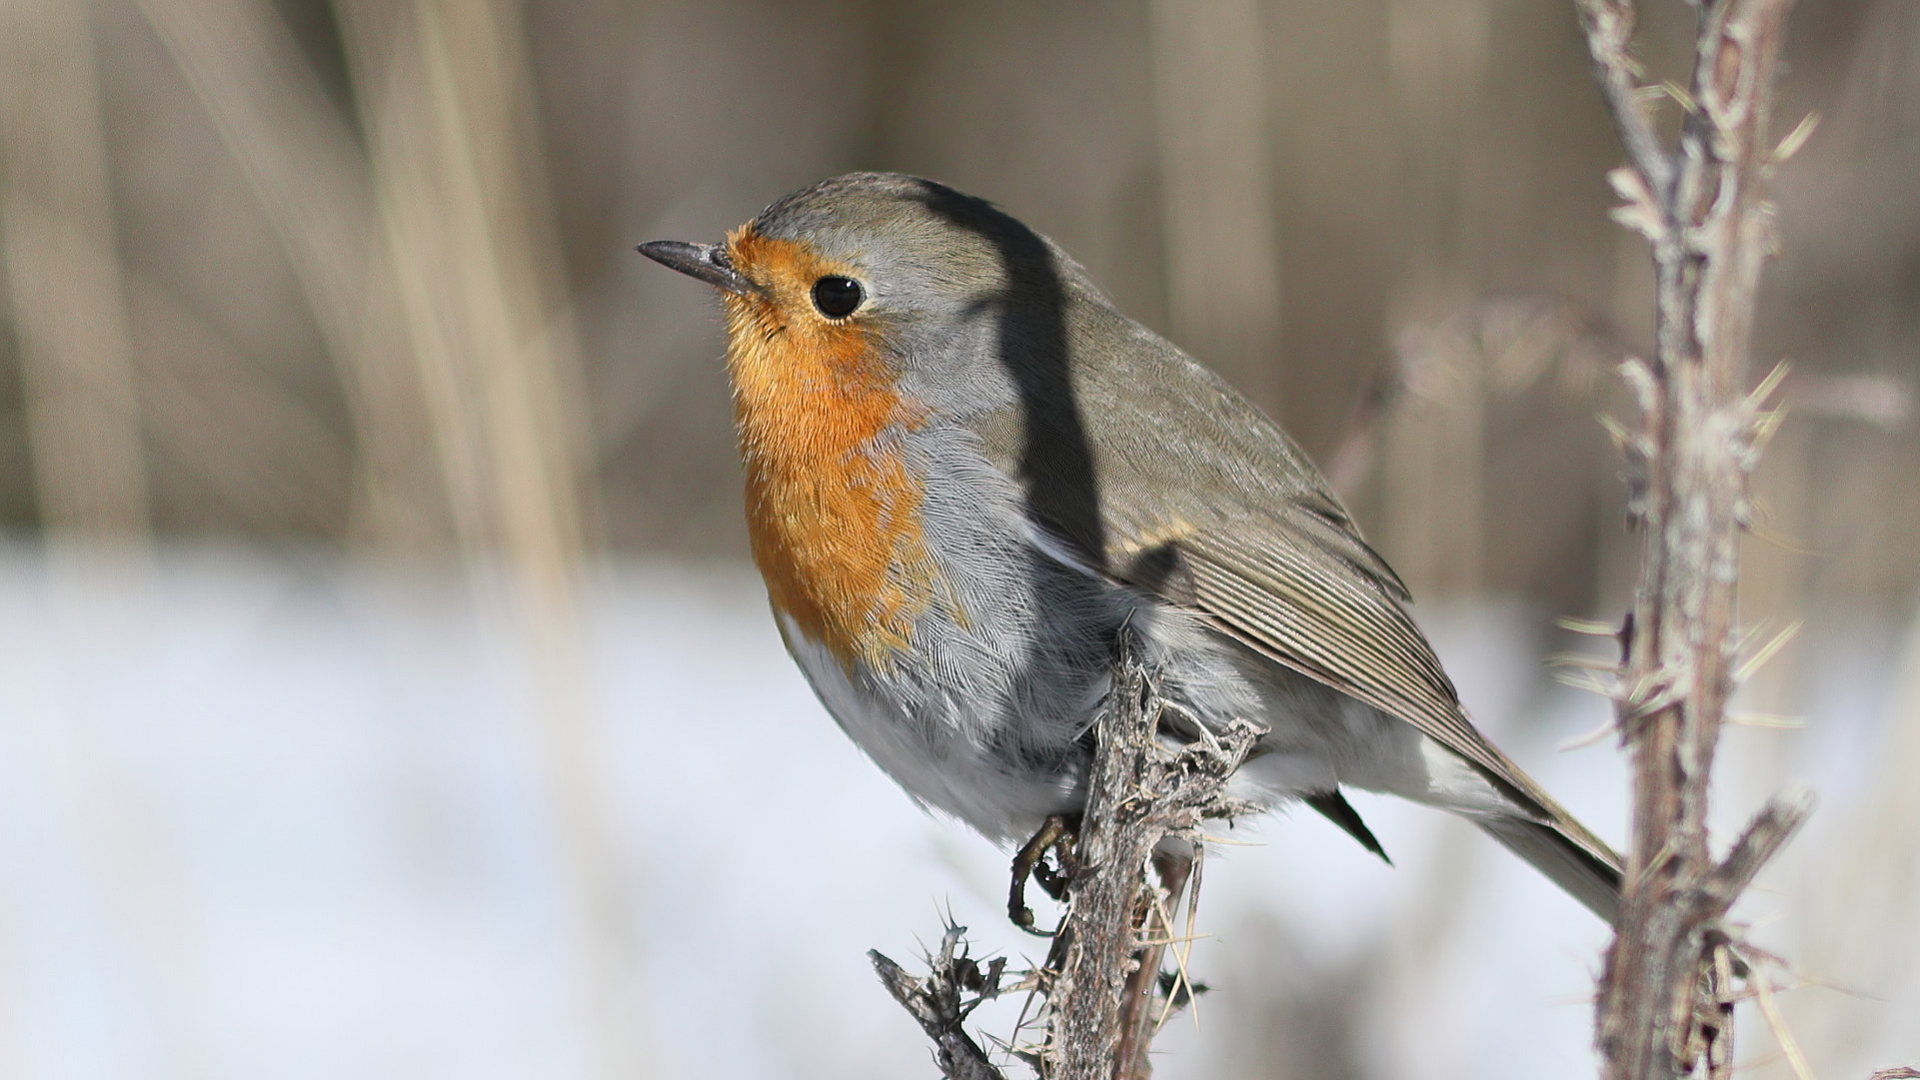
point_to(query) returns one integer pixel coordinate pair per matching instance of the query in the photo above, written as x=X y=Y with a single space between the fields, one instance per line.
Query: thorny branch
x=1157 y=775
x=1609 y=26
x=1666 y=1001
x=1142 y=797
x=941 y=1001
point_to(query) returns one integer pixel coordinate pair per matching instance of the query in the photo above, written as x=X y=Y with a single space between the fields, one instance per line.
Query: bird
x=966 y=470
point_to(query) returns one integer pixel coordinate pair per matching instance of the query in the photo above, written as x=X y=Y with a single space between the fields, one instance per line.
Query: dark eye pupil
x=836 y=296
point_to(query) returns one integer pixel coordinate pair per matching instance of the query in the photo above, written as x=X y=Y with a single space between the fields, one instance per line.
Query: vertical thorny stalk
x=1101 y=987
x=1144 y=803
x=1666 y=996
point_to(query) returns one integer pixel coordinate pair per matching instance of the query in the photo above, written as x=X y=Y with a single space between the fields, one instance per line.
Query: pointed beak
x=708 y=262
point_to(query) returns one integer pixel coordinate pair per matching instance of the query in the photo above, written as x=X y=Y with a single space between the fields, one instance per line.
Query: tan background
x=1309 y=197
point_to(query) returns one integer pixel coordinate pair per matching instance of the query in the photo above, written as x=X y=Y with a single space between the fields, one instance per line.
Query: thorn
x=1754 y=663
x=1765 y=423
x=1780 y=540
x=1622 y=438
x=1654 y=692
x=1590 y=627
x=1796 y=138
x=1768 y=385
x=1777 y=1024
x=1639 y=210
x=1230 y=841
x=1777 y=721
x=1583 y=680
x=1638 y=376
x=1583 y=662
x=1581 y=742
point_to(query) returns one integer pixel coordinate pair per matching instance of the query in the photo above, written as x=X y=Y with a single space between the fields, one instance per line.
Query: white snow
x=272 y=815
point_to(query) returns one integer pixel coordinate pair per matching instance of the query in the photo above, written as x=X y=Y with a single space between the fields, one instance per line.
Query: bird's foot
x=1056 y=836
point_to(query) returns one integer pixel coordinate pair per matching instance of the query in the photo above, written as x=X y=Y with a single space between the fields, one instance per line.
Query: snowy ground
x=267 y=816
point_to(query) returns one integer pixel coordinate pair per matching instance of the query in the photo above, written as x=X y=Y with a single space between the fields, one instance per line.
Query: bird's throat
x=833 y=506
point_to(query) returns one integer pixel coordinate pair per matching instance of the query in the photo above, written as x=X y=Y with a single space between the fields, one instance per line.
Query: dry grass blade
x=311 y=177
x=444 y=92
x=63 y=273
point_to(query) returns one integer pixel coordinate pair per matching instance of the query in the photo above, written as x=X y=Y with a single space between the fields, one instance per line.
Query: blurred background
x=384 y=691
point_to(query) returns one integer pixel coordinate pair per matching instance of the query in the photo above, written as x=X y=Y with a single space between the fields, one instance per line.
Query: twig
x=1140 y=793
x=1609 y=27
x=1146 y=800
x=1666 y=1000
x=940 y=1004
x=1765 y=835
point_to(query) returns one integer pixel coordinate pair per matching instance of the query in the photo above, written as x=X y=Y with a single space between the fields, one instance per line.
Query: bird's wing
x=1204 y=501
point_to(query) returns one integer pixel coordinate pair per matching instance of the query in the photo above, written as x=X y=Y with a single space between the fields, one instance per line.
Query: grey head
x=976 y=312
x=964 y=292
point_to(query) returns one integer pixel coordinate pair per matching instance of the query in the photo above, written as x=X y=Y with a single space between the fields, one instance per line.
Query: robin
x=966 y=470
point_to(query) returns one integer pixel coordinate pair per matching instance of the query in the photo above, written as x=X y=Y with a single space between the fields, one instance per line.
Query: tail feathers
x=1335 y=808
x=1589 y=876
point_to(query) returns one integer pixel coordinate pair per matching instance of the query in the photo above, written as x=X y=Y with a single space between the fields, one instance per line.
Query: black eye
x=836 y=297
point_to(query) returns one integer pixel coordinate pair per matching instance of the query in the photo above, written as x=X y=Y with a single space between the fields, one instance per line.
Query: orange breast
x=833 y=510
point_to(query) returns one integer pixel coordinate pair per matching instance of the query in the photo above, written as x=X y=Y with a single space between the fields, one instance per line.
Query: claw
x=1056 y=835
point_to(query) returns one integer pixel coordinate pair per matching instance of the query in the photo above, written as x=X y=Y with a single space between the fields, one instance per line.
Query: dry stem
x=1145 y=803
x=1665 y=1005
x=941 y=1001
